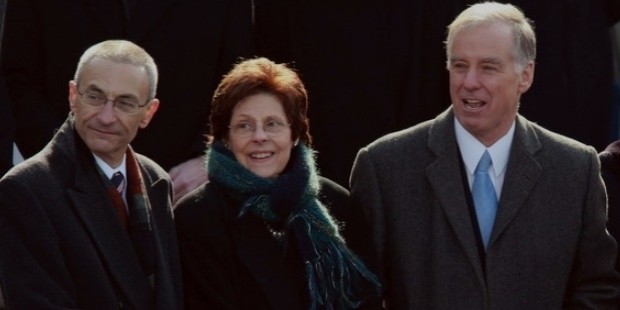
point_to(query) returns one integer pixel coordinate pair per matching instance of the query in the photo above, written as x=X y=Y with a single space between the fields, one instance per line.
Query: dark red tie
x=118 y=181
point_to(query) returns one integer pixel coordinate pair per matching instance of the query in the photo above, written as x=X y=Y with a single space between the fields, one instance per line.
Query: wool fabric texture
x=335 y=277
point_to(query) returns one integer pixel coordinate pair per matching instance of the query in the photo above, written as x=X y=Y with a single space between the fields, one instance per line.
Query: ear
x=151 y=108
x=73 y=96
x=527 y=77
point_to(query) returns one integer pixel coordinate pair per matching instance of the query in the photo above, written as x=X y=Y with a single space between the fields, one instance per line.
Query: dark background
x=376 y=66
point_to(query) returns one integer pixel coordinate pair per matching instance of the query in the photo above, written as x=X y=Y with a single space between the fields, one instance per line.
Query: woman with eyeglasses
x=265 y=232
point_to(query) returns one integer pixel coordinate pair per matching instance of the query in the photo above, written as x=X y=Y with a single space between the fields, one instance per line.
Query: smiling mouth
x=261 y=155
x=473 y=104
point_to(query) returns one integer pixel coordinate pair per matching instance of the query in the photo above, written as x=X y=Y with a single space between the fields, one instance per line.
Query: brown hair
x=261 y=75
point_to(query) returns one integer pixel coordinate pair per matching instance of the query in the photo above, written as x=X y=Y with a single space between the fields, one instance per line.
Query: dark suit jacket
x=62 y=244
x=192 y=42
x=231 y=263
x=548 y=250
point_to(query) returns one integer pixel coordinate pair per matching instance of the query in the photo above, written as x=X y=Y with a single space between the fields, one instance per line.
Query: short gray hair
x=125 y=52
x=492 y=12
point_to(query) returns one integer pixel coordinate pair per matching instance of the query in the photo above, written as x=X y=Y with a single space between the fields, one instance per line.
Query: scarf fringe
x=336 y=277
x=338 y=280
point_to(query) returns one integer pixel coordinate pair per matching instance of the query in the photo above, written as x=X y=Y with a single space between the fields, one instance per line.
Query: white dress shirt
x=472 y=150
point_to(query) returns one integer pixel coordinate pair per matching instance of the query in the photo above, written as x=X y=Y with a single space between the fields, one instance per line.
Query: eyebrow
x=489 y=60
x=492 y=60
x=247 y=117
x=94 y=87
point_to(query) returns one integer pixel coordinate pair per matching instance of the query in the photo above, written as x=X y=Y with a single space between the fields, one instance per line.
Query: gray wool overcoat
x=549 y=247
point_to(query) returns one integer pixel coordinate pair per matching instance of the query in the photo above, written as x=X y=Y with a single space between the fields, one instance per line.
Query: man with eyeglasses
x=87 y=222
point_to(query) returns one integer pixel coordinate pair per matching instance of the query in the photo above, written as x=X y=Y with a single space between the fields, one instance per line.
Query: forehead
x=484 y=41
x=259 y=106
x=114 y=78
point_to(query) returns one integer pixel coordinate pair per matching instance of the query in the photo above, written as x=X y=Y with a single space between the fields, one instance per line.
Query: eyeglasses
x=245 y=129
x=122 y=105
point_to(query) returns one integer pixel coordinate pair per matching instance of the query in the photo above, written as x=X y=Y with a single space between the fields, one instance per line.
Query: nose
x=471 y=79
x=107 y=114
x=259 y=134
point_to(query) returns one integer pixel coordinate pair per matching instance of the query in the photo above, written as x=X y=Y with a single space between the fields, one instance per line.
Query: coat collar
x=522 y=173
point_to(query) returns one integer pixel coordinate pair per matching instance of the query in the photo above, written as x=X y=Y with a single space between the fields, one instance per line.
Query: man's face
x=485 y=86
x=106 y=131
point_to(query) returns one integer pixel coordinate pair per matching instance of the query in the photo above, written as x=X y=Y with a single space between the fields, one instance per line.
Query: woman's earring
x=296 y=142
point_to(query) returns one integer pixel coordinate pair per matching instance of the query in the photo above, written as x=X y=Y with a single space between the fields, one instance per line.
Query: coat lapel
x=109 y=238
x=522 y=174
x=156 y=190
x=449 y=189
x=94 y=208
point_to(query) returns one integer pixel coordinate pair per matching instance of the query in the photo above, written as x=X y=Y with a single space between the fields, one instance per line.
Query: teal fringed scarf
x=336 y=278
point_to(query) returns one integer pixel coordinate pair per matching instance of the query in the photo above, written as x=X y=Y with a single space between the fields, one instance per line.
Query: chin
x=265 y=173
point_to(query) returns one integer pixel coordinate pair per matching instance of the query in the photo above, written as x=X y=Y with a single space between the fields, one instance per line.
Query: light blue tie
x=485 y=198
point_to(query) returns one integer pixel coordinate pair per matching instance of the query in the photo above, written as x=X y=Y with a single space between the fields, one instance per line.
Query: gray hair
x=524 y=50
x=125 y=52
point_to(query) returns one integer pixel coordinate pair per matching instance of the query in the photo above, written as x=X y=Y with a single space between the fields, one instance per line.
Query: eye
x=244 y=126
x=489 y=68
x=94 y=96
x=271 y=124
x=126 y=104
x=458 y=66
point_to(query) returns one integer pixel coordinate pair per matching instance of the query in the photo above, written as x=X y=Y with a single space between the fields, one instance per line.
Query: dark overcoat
x=235 y=263
x=62 y=244
x=549 y=248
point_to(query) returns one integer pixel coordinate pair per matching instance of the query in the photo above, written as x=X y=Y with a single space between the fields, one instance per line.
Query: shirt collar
x=109 y=171
x=472 y=149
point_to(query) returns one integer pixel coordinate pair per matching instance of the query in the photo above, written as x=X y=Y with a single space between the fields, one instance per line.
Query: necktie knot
x=484 y=163
x=118 y=180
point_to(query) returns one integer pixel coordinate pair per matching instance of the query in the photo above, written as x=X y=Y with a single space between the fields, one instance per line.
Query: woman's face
x=260 y=135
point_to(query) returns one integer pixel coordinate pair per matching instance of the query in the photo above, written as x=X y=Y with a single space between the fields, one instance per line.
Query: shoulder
x=207 y=203
x=398 y=139
x=331 y=189
x=151 y=166
x=610 y=159
x=560 y=146
x=415 y=140
x=388 y=154
x=560 y=155
x=333 y=195
x=38 y=171
x=155 y=171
